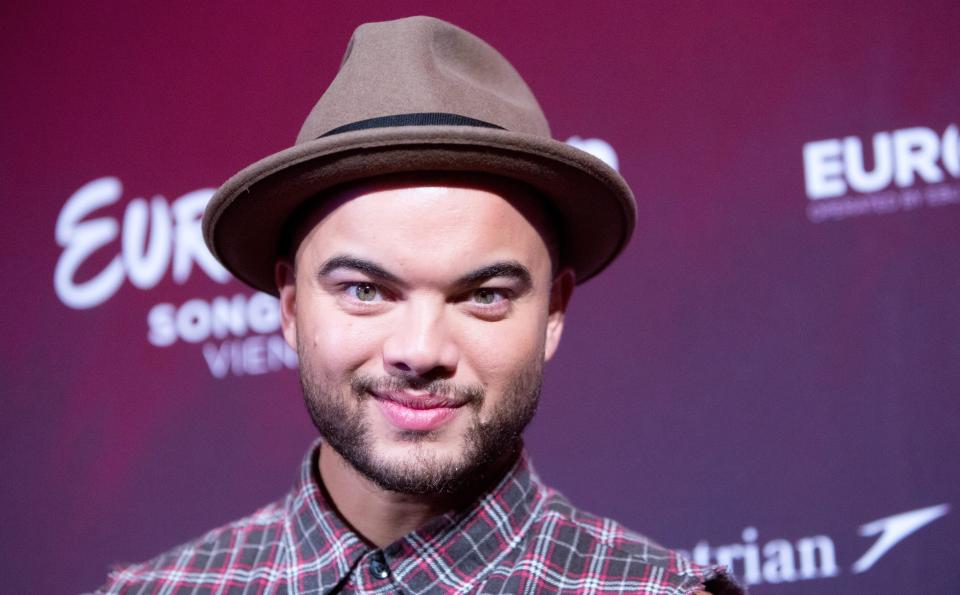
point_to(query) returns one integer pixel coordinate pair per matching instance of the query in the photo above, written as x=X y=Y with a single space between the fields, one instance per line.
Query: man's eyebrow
x=357 y=264
x=511 y=269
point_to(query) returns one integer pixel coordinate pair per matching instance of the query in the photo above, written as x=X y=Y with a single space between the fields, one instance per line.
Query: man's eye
x=487 y=297
x=365 y=292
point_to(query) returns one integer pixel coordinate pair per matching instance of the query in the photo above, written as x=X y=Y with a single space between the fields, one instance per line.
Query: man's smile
x=416 y=411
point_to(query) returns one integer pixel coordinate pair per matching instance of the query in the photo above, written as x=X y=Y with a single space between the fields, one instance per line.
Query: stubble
x=338 y=414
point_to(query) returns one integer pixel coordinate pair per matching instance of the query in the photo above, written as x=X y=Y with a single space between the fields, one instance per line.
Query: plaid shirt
x=521 y=537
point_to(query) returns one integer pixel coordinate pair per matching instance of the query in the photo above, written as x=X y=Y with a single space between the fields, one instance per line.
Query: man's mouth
x=416 y=411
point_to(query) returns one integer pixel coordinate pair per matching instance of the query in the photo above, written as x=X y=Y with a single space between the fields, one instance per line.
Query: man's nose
x=421 y=345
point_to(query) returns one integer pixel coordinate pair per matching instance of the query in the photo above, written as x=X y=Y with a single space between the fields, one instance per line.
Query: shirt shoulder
x=249 y=550
x=575 y=549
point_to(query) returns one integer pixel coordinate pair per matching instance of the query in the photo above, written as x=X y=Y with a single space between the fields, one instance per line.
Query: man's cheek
x=343 y=347
x=501 y=349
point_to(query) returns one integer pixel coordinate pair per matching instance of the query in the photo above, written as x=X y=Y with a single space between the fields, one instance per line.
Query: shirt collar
x=461 y=544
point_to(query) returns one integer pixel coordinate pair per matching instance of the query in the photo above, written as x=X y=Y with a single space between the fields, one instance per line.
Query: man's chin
x=420 y=455
x=417 y=467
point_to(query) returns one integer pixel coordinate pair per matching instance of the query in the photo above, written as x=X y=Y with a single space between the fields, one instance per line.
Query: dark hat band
x=414 y=119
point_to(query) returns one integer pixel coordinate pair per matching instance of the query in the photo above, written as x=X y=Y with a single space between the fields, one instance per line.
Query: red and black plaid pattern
x=521 y=537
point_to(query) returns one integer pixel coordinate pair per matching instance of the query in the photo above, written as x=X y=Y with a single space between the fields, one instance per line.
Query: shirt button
x=378 y=566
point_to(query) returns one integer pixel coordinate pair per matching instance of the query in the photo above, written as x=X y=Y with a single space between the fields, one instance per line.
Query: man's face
x=422 y=312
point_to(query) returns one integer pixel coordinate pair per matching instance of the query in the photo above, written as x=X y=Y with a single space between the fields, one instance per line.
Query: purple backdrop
x=769 y=377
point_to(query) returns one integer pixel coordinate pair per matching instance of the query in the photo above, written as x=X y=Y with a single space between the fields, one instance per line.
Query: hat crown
x=424 y=65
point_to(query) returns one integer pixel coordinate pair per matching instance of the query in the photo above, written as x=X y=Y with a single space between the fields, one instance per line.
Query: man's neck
x=380 y=516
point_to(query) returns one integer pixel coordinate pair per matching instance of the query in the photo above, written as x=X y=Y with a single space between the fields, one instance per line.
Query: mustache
x=462 y=394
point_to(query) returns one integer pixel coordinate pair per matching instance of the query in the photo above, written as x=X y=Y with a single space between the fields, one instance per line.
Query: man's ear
x=285 y=277
x=560 y=293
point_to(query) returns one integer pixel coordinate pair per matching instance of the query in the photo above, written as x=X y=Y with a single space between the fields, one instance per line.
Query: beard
x=338 y=415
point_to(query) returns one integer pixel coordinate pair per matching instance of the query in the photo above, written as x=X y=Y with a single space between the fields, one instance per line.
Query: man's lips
x=414 y=400
x=416 y=412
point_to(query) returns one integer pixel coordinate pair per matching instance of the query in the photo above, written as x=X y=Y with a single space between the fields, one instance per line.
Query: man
x=423 y=236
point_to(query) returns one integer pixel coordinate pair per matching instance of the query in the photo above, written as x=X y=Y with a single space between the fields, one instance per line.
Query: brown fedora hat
x=420 y=95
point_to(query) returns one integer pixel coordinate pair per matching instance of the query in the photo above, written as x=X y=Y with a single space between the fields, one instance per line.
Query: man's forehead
x=388 y=201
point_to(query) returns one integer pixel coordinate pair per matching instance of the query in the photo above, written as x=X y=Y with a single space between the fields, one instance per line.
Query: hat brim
x=246 y=216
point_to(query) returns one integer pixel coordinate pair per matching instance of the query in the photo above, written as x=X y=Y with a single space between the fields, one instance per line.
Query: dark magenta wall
x=763 y=373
